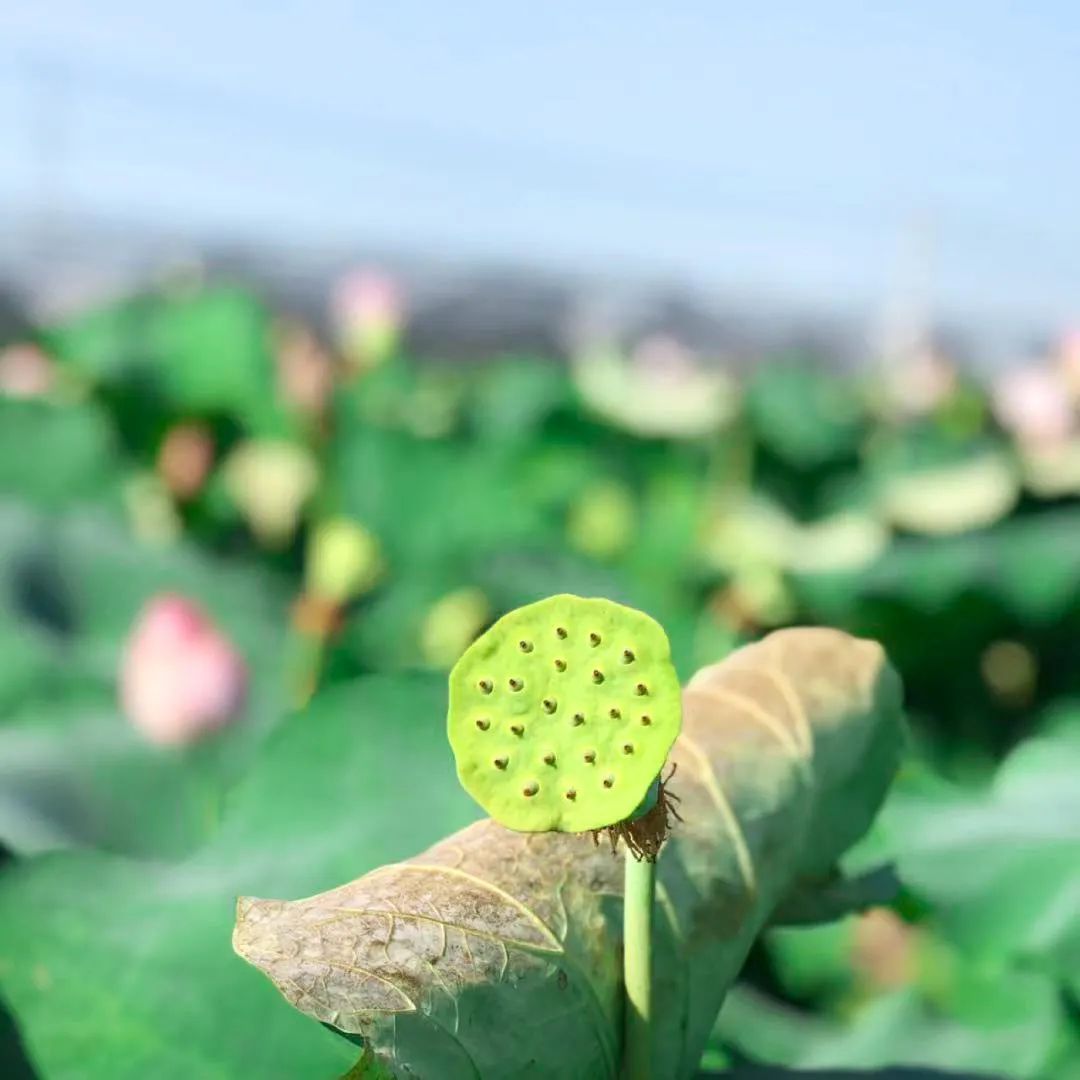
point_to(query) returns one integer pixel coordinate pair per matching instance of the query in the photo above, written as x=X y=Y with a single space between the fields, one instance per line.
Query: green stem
x=640 y=888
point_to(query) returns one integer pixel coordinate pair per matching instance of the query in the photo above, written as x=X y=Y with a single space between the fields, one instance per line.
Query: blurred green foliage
x=809 y=498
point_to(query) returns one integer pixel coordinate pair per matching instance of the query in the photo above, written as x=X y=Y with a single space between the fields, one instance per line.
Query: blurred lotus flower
x=180 y=677
x=602 y=520
x=185 y=458
x=269 y=480
x=663 y=389
x=921 y=384
x=884 y=949
x=451 y=625
x=1032 y=403
x=1068 y=361
x=343 y=561
x=368 y=312
x=305 y=370
x=25 y=372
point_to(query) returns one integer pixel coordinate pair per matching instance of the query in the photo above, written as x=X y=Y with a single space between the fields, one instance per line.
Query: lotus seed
x=549 y=758
x=579 y=719
x=517 y=729
x=560 y=665
x=590 y=756
x=525 y=646
x=530 y=789
x=614 y=714
x=628 y=748
x=627 y=656
x=516 y=685
x=595 y=639
x=486 y=685
x=571 y=794
x=501 y=762
x=483 y=725
x=549 y=705
x=561 y=631
x=597 y=676
x=641 y=689
x=646 y=720
x=608 y=781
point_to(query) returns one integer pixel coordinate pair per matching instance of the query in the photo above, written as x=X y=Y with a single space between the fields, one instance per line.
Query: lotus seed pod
x=562 y=714
x=343 y=561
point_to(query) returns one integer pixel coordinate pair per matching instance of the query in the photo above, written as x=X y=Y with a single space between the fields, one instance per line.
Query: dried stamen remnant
x=644 y=836
x=530 y=789
x=483 y=724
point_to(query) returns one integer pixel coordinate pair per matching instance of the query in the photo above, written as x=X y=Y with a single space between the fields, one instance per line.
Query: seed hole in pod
x=614 y=714
x=590 y=756
x=646 y=720
x=571 y=794
x=549 y=758
x=518 y=729
x=609 y=781
x=627 y=656
x=501 y=762
x=579 y=719
x=483 y=724
x=561 y=631
x=594 y=639
x=597 y=676
x=530 y=789
x=525 y=646
x=516 y=684
x=641 y=689
x=549 y=705
x=627 y=747
x=560 y=665
x=486 y=685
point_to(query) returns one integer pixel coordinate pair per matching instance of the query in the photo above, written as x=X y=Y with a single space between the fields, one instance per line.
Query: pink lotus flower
x=1033 y=404
x=368 y=310
x=180 y=678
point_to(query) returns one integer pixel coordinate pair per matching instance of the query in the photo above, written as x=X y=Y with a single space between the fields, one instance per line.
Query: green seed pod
x=562 y=714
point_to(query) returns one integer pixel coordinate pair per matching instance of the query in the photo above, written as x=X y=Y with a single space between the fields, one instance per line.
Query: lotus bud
x=185 y=459
x=180 y=679
x=270 y=481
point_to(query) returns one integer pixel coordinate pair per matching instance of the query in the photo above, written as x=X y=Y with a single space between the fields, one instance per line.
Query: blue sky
x=778 y=147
